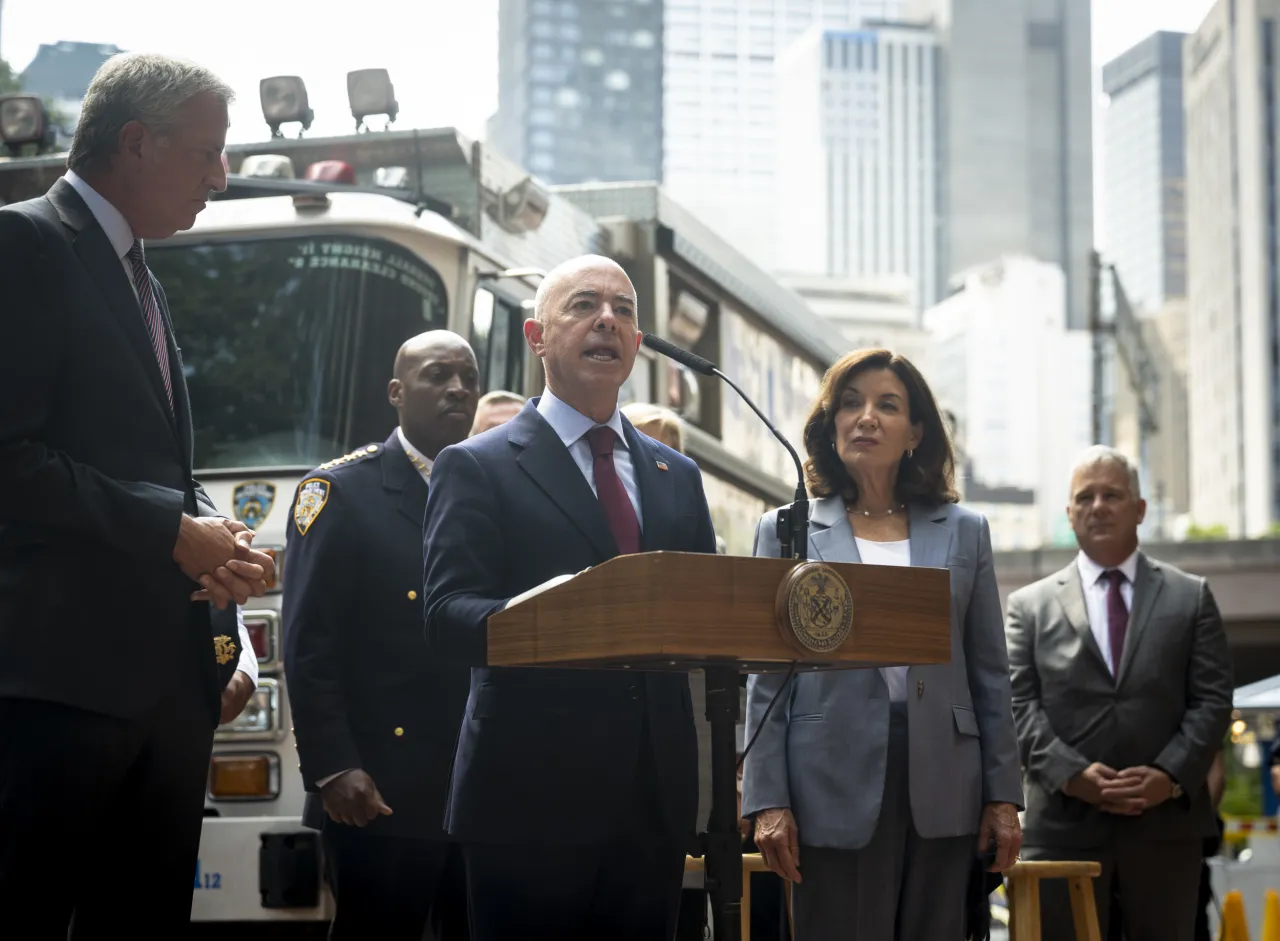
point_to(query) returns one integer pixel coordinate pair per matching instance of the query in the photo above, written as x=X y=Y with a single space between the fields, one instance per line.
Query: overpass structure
x=1243 y=574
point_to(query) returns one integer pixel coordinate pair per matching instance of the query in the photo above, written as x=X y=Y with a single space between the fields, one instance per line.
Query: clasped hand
x=1128 y=792
x=218 y=554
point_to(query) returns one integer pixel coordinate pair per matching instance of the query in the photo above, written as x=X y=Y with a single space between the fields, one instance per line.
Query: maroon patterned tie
x=151 y=313
x=1117 y=617
x=610 y=492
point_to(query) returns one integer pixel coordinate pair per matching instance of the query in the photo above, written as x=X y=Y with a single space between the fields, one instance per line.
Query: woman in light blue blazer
x=873 y=791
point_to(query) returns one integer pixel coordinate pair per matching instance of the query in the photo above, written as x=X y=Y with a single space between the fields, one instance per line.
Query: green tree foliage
x=1206 y=533
x=9 y=81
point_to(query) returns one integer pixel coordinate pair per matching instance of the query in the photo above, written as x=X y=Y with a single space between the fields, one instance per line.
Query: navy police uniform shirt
x=364 y=690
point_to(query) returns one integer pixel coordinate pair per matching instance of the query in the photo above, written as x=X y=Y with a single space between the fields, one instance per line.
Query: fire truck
x=290 y=296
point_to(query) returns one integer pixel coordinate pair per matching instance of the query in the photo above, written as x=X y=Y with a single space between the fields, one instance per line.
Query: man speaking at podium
x=574 y=792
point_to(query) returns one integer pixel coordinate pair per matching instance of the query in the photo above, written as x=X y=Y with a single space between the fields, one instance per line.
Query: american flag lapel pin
x=662 y=465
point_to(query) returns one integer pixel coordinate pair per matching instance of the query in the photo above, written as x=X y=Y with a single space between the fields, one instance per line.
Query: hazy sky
x=442 y=55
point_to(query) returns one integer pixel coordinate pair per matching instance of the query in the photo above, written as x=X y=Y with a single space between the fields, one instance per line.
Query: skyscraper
x=580 y=88
x=1145 y=158
x=858 y=155
x=1017 y=135
x=1017 y=381
x=721 y=106
x=681 y=91
x=1231 y=76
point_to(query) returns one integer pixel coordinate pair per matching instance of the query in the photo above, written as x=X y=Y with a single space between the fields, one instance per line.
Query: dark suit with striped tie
x=109 y=690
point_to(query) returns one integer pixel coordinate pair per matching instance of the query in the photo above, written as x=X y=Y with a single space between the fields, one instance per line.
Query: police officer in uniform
x=374 y=717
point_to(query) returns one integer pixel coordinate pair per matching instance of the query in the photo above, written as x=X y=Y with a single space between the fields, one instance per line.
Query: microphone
x=793 y=520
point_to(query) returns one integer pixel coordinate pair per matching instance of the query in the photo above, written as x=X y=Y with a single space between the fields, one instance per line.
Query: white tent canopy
x=1264 y=694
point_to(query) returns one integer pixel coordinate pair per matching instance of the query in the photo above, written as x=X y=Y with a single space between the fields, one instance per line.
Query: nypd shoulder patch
x=313 y=493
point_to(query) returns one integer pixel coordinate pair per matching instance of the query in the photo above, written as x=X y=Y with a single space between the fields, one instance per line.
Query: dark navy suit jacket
x=552 y=755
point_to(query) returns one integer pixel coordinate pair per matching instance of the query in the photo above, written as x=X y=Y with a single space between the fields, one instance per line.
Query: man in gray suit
x=1122 y=695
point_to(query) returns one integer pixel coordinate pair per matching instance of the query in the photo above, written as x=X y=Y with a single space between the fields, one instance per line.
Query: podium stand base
x=722 y=843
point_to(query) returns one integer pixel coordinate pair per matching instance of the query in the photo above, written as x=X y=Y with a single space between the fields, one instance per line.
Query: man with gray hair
x=111 y=676
x=496 y=408
x=1121 y=695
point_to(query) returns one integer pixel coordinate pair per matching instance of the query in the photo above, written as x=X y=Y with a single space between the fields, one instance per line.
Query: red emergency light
x=331 y=171
x=259 y=637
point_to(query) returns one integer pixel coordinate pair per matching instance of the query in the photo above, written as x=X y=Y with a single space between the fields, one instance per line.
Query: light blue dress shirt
x=571 y=426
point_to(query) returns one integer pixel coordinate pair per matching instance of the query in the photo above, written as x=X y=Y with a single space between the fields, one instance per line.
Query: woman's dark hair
x=928 y=476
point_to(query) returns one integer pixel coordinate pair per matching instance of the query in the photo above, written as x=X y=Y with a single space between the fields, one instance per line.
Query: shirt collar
x=569 y=424
x=1091 y=571
x=108 y=216
x=420 y=461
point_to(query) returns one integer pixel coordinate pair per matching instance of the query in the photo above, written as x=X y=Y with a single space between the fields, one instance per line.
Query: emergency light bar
x=331 y=171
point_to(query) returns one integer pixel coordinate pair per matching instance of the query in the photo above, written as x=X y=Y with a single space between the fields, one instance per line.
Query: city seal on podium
x=814 y=608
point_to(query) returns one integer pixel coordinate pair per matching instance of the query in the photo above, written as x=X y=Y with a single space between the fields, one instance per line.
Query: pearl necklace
x=869 y=514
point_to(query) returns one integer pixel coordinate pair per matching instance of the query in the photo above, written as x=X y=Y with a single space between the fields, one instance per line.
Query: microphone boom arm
x=793 y=520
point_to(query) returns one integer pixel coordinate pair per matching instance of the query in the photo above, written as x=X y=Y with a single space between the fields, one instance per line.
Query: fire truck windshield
x=287 y=343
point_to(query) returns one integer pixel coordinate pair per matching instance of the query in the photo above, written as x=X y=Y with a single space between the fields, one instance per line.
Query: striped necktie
x=151 y=313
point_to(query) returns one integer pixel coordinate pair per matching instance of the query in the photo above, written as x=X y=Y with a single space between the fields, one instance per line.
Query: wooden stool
x=1024 y=897
x=751 y=862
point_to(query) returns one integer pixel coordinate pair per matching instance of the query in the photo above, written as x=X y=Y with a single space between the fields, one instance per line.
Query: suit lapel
x=930 y=536
x=830 y=534
x=1146 y=591
x=547 y=461
x=99 y=259
x=400 y=476
x=1071 y=597
x=657 y=490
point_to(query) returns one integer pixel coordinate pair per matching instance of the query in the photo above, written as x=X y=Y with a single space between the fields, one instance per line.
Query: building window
x=617 y=80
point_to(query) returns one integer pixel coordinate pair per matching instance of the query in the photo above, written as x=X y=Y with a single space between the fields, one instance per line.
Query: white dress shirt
x=571 y=426
x=419 y=460
x=1095 y=598
x=888 y=553
x=119 y=232
x=248 y=664
x=120 y=235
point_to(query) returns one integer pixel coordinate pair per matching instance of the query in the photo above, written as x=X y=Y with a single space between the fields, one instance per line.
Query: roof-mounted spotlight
x=24 y=121
x=284 y=101
x=522 y=207
x=369 y=92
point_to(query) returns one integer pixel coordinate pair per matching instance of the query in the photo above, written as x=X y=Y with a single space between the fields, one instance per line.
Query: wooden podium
x=728 y=615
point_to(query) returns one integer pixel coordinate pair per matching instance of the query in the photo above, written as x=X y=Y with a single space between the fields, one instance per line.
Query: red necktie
x=1117 y=617
x=151 y=312
x=610 y=492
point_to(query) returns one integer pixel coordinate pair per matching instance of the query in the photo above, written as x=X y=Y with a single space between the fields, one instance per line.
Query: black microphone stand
x=721 y=845
x=793 y=520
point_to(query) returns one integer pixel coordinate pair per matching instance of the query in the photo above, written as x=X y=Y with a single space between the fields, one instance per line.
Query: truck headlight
x=260 y=718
